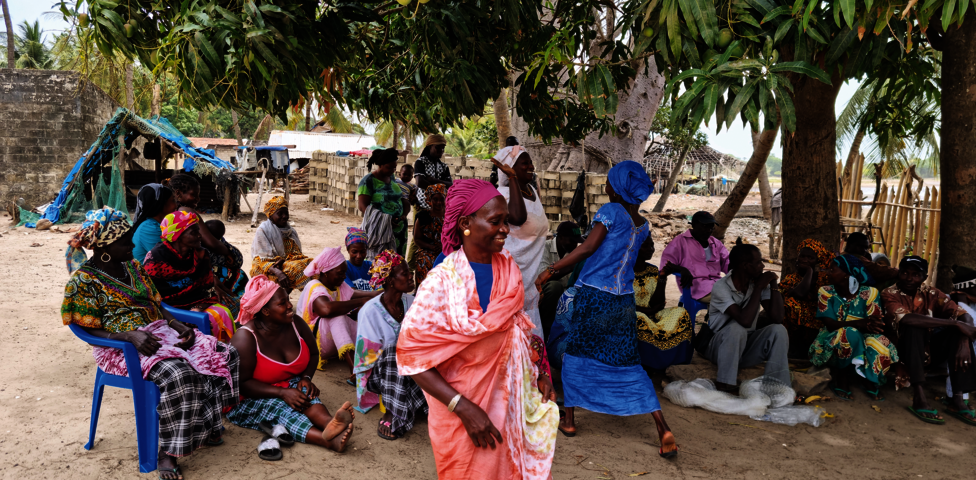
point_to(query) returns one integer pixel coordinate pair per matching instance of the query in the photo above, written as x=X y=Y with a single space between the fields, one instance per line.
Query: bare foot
x=668 y=446
x=337 y=432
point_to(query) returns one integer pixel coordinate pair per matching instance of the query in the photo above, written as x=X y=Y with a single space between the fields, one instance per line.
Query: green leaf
x=781 y=10
x=268 y=56
x=719 y=113
x=803 y=68
x=674 y=31
x=840 y=45
x=746 y=18
x=120 y=40
x=786 y=112
x=208 y=51
x=694 y=72
x=607 y=78
x=692 y=53
x=596 y=87
x=948 y=8
x=815 y=34
x=782 y=30
x=848 y=8
x=688 y=12
x=743 y=97
x=711 y=99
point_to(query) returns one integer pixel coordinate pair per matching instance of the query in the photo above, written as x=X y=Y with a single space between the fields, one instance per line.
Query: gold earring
x=105 y=254
x=467 y=232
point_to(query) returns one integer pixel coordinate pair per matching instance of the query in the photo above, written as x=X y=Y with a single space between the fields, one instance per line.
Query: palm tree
x=897 y=153
x=8 y=35
x=31 y=50
x=462 y=143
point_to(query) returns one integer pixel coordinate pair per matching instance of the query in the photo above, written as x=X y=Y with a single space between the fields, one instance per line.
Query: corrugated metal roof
x=203 y=142
x=308 y=142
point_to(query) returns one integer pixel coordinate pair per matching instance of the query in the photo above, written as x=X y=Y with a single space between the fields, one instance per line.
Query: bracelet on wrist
x=307 y=377
x=552 y=271
x=453 y=403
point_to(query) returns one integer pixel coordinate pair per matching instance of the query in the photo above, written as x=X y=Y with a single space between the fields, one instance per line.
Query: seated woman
x=383 y=205
x=376 y=338
x=325 y=305
x=427 y=227
x=277 y=365
x=467 y=342
x=663 y=334
x=800 y=295
x=180 y=270
x=186 y=191
x=851 y=340
x=276 y=250
x=357 y=267
x=111 y=296
x=153 y=203
x=228 y=268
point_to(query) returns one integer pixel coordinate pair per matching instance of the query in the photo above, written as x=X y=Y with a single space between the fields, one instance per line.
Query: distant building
x=307 y=142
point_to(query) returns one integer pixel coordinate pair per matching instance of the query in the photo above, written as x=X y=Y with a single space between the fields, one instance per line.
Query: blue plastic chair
x=145 y=394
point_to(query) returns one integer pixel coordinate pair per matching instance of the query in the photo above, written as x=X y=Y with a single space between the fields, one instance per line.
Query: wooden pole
x=228 y=191
x=919 y=221
x=858 y=176
x=933 y=226
x=254 y=216
x=903 y=213
x=934 y=255
x=878 y=217
x=891 y=217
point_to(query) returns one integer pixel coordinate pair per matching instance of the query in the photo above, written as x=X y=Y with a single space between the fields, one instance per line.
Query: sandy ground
x=47 y=375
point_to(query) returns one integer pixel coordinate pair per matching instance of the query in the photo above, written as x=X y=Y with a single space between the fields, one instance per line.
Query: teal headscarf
x=852 y=266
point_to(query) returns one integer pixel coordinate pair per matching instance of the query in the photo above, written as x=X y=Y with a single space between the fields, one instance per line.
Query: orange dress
x=487 y=357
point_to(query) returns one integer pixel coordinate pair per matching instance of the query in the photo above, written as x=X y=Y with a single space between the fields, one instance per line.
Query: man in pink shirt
x=701 y=258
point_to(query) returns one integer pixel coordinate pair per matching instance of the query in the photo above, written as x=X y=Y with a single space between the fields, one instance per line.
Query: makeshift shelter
x=112 y=164
x=703 y=163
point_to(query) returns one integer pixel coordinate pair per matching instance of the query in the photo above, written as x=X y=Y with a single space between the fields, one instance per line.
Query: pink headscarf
x=257 y=293
x=327 y=260
x=464 y=197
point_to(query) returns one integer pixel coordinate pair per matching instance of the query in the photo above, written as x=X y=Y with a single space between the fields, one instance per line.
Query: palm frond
x=850 y=118
x=337 y=121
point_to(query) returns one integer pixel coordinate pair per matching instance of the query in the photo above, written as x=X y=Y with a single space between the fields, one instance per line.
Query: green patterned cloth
x=387 y=197
x=95 y=300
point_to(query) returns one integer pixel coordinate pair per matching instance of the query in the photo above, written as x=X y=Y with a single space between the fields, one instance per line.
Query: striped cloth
x=401 y=395
x=190 y=403
x=252 y=411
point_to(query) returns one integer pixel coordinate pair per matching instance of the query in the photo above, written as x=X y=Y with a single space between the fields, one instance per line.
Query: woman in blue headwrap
x=851 y=341
x=601 y=367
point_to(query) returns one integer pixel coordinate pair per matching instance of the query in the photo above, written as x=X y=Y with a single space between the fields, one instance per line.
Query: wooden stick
x=919 y=221
x=879 y=215
x=933 y=241
x=904 y=216
x=254 y=215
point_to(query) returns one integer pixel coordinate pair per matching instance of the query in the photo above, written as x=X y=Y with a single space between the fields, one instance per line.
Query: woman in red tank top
x=277 y=365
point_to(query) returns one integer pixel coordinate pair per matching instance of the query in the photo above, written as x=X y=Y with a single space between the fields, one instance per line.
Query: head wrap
x=824 y=256
x=852 y=266
x=629 y=180
x=173 y=226
x=508 y=156
x=435 y=189
x=383 y=156
x=464 y=197
x=273 y=205
x=434 y=139
x=914 y=261
x=877 y=256
x=257 y=293
x=963 y=277
x=325 y=261
x=101 y=228
x=383 y=265
x=355 y=235
x=150 y=201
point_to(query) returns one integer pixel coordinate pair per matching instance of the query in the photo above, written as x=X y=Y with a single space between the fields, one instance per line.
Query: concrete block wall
x=48 y=118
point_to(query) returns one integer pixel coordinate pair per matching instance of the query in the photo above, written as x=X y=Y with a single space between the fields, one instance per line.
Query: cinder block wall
x=48 y=118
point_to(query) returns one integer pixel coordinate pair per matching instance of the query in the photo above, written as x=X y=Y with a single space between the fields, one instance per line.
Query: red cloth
x=274 y=372
x=464 y=197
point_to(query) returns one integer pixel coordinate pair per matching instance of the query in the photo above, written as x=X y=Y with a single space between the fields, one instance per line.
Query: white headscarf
x=508 y=156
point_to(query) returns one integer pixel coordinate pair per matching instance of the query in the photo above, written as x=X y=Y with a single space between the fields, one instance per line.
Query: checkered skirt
x=401 y=395
x=252 y=411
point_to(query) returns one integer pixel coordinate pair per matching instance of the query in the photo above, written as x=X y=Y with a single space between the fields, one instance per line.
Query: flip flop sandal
x=210 y=442
x=570 y=434
x=840 y=392
x=874 y=394
x=350 y=382
x=671 y=454
x=960 y=414
x=382 y=435
x=176 y=471
x=269 y=449
x=933 y=421
x=278 y=432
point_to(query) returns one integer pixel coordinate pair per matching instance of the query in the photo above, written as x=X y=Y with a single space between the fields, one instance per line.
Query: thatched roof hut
x=661 y=155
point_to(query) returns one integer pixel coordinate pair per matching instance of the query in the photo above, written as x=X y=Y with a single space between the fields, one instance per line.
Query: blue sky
x=735 y=141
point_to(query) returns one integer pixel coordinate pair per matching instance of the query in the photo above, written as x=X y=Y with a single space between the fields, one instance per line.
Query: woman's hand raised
x=504 y=168
x=479 y=427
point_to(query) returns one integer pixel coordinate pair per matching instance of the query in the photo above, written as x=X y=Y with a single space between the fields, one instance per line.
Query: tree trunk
x=754 y=168
x=635 y=112
x=661 y=202
x=503 y=120
x=156 y=101
x=396 y=134
x=237 y=127
x=308 y=114
x=9 y=24
x=408 y=138
x=765 y=189
x=958 y=161
x=810 y=168
x=129 y=93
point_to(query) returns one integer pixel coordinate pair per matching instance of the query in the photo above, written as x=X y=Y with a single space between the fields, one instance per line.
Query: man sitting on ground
x=567 y=238
x=701 y=258
x=930 y=326
x=733 y=314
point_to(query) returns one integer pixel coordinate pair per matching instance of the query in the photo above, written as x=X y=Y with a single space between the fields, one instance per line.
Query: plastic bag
x=702 y=393
x=779 y=394
x=792 y=415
